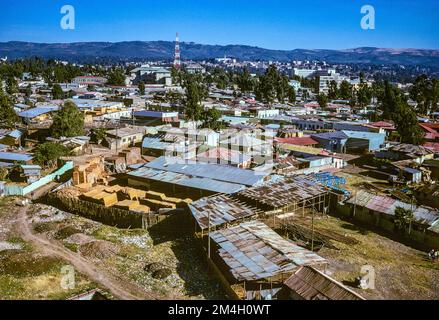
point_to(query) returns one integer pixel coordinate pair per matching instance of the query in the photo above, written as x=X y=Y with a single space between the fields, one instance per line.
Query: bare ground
x=117 y=286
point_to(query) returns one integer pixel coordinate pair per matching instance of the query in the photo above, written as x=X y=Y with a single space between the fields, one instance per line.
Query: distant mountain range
x=83 y=51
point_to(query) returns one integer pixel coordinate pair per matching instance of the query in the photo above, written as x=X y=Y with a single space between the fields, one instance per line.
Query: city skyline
x=314 y=25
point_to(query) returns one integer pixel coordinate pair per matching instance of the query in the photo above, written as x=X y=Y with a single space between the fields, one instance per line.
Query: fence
x=124 y=219
x=14 y=190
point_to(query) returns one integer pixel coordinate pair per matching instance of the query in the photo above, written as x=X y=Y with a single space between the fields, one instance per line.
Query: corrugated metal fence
x=14 y=190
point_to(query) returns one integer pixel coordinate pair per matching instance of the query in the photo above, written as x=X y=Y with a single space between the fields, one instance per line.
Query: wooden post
x=208 y=237
x=312 y=238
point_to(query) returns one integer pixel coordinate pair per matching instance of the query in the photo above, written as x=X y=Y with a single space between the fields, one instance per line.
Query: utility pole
x=117 y=138
x=312 y=237
x=208 y=236
x=355 y=202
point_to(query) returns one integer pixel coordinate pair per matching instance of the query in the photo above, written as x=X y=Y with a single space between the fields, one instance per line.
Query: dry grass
x=401 y=272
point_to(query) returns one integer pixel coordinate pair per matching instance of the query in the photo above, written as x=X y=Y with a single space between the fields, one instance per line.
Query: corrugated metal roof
x=207 y=170
x=364 y=135
x=11 y=156
x=15 y=134
x=311 y=284
x=155 y=114
x=222 y=210
x=235 y=157
x=330 y=135
x=187 y=181
x=299 y=141
x=253 y=251
x=388 y=205
x=35 y=112
x=283 y=193
x=155 y=144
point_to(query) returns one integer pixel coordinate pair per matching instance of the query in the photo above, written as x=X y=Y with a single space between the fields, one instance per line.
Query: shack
x=308 y=283
x=288 y=197
x=253 y=261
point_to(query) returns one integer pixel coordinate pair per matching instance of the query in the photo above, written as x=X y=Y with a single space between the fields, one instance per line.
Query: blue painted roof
x=364 y=135
x=154 y=143
x=11 y=156
x=154 y=114
x=15 y=134
x=35 y=112
x=411 y=170
x=331 y=135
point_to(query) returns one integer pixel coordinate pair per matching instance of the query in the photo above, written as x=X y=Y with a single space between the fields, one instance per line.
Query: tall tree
x=395 y=107
x=116 y=77
x=194 y=110
x=11 y=85
x=68 y=121
x=426 y=93
x=292 y=95
x=282 y=88
x=364 y=95
x=211 y=119
x=333 y=90
x=8 y=117
x=57 y=92
x=28 y=91
x=345 y=92
x=322 y=99
x=142 y=88
x=245 y=82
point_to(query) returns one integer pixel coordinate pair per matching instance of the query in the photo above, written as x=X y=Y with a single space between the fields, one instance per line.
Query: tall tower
x=177 y=54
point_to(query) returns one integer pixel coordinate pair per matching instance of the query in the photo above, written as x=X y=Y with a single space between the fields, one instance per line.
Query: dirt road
x=121 y=289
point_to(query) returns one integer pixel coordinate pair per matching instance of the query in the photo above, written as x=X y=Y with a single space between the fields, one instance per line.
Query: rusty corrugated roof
x=311 y=284
x=284 y=193
x=222 y=209
x=253 y=251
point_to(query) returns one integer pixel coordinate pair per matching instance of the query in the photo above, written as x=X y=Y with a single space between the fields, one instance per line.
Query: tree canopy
x=395 y=107
x=57 y=92
x=68 y=121
x=8 y=117
x=47 y=154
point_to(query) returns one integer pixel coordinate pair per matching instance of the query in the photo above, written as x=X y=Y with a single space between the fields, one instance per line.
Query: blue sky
x=274 y=24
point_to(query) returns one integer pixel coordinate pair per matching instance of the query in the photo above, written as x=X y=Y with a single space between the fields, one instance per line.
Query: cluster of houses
x=270 y=161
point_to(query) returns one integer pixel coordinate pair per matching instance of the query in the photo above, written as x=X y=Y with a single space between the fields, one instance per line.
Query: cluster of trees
x=273 y=85
x=361 y=96
x=394 y=106
x=116 y=77
x=196 y=91
x=50 y=70
x=426 y=93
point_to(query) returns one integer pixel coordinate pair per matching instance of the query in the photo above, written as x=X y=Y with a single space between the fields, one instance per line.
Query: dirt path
x=121 y=289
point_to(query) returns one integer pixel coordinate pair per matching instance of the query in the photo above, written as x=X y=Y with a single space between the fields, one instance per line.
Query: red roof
x=383 y=124
x=431 y=134
x=433 y=146
x=219 y=153
x=298 y=141
x=433 y=125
